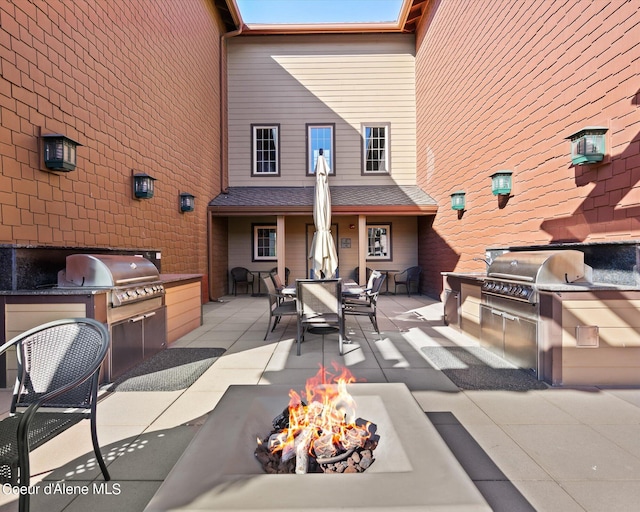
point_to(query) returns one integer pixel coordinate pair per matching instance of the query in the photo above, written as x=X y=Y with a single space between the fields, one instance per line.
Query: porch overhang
x=406 y=200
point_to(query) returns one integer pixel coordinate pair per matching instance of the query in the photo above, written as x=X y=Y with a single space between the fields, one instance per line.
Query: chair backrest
x=239 y=273
x=57 y=354
x=276 y=281
x=271 y=290
x=413 y=273
x=274 y=270
x=372 y=277
x=375 y=288
x=319 y=296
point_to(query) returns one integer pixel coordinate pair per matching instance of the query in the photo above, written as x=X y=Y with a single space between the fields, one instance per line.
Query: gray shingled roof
x=341 y=196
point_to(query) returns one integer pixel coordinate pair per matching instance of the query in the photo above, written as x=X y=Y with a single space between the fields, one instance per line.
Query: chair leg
x=374 y=321
x=298 y=339
x=96 y=449
x=268 y=326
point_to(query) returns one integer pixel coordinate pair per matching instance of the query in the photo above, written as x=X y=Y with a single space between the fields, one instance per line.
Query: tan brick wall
x=137 y=84
x=500 y=85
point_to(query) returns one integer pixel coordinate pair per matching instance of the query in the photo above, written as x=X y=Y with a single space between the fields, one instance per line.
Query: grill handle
x=141 y=317
x=513 y=277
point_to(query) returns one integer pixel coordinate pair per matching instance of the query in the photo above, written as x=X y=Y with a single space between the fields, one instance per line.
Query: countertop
x=172 y=278
x=568 y=287
x=54 y=290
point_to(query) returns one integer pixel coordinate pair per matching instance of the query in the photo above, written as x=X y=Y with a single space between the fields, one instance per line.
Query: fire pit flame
x=321 y=429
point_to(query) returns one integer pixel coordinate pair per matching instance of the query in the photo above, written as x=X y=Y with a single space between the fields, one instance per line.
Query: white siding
x=347 y=80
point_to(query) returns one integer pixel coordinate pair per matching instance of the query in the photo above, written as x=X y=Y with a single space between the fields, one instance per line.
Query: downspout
x=224 y=175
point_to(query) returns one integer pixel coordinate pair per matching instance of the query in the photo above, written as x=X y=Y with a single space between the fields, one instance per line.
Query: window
x=320 y=136
x=265 y=150
x=264 y=242
x=379 y=242
x=375 y=158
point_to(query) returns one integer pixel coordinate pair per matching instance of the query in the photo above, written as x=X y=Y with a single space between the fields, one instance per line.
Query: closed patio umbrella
x=324 y=259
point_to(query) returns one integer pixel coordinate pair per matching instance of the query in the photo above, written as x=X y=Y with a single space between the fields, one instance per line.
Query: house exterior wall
x=500 y=85
x=341 y=79
x=299 y=232
x=137 y=84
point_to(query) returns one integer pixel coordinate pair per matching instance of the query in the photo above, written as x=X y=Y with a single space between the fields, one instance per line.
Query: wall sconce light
x=588 y=145
x=142 y=185
x=501 y=183
x=187 y=202
x=457 y=201
x=59 y=152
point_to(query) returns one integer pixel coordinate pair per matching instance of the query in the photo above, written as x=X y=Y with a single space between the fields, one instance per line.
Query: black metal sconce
x=588 y=145
x=187 y=202
x=59 y=152
x=142 y=185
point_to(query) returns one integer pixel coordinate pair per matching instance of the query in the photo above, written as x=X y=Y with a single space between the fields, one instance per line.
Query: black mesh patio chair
x=58 y=367
x=274 y=270
x=241 y=276
x=319 y=305
x=368 y=306
x=406 y=277
x=278 y=306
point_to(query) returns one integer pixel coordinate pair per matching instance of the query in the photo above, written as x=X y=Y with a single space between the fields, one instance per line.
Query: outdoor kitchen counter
x=183 y=299
x=588 y=287
x=55 y=291
x=469 y=276
x=461 y=298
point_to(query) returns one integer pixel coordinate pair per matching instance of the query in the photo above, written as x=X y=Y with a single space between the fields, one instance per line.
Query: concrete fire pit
x=413 y=468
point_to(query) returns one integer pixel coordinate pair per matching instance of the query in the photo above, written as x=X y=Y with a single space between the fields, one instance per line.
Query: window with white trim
x=265 y=150
x=320 y=136
x=378 y=241
x=264 y=242
x=375 y=158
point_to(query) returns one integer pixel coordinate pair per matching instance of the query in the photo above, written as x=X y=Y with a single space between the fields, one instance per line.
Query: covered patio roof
x=345 y=200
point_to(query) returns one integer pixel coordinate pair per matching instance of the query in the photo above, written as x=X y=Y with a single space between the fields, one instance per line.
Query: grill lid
x=106 y=270
x=541 y=267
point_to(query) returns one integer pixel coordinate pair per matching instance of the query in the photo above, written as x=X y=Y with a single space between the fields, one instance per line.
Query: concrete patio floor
x=557 y=449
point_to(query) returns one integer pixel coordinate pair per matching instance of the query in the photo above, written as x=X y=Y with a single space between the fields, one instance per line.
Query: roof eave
x=394 y=210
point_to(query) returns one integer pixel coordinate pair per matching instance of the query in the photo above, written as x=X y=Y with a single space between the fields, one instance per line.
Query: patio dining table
x=349 y=289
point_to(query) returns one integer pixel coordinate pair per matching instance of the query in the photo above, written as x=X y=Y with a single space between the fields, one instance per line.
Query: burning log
x=323 y=436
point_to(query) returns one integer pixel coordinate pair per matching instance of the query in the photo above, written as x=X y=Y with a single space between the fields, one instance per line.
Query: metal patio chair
x=278 y=306
x=368 y=306
x=363 y=298
x=319 y=305
x=58 y=367
x=274 y=270
x=241 y=276
x=406 y=277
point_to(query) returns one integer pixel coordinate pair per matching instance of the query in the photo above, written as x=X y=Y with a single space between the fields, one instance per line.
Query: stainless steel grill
x=136 y=314
x=509 y=302
x=516 y=275
x=129 y=279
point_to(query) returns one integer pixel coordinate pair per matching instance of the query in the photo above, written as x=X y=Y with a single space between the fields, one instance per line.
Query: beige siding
x=298 y=233
x=22 y=317
x=617 y=359
x=347 y=80
x=470 y=309
x=184 y=310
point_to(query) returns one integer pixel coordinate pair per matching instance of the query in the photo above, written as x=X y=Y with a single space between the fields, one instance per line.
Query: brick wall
x=137 y=84
x=500 y=85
